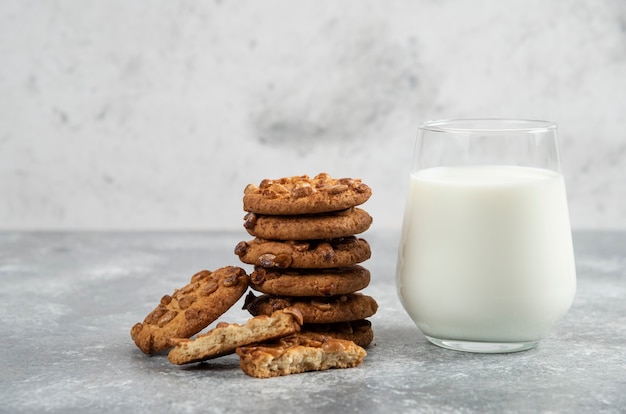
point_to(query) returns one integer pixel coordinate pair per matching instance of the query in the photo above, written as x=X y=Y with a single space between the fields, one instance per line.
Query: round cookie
x=304 y=195
x=310 y=282
x=342 y=308
x=360 y=332
x=316 y=254
x=331 y=225
x=190 y=309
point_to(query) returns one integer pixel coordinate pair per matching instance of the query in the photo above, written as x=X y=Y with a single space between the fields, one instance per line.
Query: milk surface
x=486 y=253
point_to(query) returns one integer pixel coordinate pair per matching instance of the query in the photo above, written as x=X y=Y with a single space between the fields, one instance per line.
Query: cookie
x=316 y=254
x=316 y=310
x=360 y=332
x=297 y=353
x=225 y=338
x=190 y=309
x=331 y=225
x=304 y=195
x=310 y=282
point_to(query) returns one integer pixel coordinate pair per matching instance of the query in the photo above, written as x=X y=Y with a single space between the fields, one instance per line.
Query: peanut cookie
x=317 y=254
x=308 y=226
x=304 y=195
x=225 y=338
x=310 y=282
x=296 y=354
x=360 y=332
x=316 y=309
x=190 y=309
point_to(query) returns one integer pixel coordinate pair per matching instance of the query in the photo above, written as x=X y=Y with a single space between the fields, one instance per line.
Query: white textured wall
x=156 y=114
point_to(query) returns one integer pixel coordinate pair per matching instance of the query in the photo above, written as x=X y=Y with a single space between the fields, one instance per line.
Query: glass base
x=483 y=347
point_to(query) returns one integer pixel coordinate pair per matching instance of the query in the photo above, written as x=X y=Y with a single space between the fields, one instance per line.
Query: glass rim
x=488 y=125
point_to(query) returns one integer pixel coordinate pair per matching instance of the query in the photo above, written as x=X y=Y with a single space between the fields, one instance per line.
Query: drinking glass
x=485 y=261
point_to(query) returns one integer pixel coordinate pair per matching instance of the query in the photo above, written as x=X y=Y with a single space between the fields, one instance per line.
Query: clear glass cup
x=485 y=261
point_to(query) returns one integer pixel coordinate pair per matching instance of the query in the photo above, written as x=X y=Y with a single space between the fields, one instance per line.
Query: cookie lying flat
x=190 y=309
x=360 y=332
x=304 y=195
x=316 y=254
x=316 y=310
x=310 y=282
x=332 y=225
x=296 y=354
x=225 y=338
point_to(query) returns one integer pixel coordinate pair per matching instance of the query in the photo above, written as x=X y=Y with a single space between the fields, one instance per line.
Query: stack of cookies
x=306 y=253
x=310 y=314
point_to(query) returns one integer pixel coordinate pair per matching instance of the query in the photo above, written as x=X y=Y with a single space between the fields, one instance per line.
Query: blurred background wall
x=124 y=114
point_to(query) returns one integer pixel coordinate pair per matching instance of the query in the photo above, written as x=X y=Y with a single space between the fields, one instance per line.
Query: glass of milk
x=485 y=262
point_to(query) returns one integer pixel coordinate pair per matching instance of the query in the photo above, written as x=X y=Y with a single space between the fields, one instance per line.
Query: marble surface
x=68 y=300
x=134 y=115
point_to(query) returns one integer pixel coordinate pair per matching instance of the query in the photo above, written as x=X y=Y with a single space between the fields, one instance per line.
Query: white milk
x=486 y=253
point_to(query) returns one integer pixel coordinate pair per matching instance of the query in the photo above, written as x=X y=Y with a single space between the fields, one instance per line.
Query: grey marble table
x=68 y=301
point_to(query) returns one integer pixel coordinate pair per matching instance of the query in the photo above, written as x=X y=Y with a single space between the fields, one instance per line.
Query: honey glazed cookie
x=190 y=309
x=311 y=254
x=297 y=354
x=305 y=195
x=309 y=282
x=333 y=309
x=331 y=225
